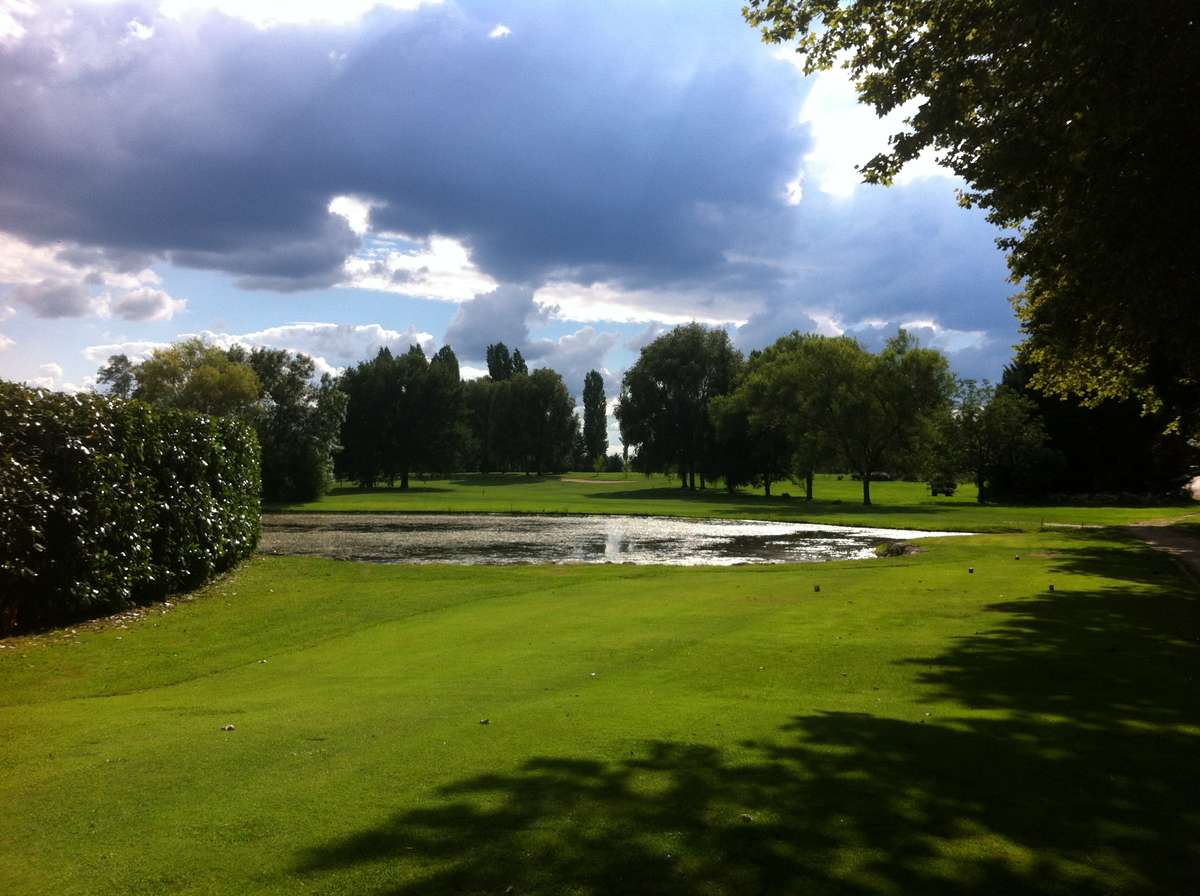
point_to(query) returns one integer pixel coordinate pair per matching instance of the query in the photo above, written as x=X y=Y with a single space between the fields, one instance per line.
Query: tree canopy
x=1074 y=125
x=295 y=417
x=664 y=406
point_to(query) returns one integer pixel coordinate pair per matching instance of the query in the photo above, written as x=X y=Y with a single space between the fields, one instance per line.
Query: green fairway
x=911 y=728
x=899 y=504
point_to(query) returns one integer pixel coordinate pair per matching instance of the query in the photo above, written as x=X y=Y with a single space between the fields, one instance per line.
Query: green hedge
x=106 y=503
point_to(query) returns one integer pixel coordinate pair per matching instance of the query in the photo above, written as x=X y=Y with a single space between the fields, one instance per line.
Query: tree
x=1074 y=125
x=548 y=421
x=997 y=436
x=1109 y=447
x=779 y=394
x=499 y=362
x=446 y=425
x=595 y=417
x=196 y=376
x=878 y=410
x=364 y=436
x=118 y=376
x=296 y=418
x=665 y=395
x=298 y=423
x=518 y=363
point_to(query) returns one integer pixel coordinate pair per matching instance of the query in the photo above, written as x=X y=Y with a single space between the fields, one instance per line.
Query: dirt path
x=1184 y=546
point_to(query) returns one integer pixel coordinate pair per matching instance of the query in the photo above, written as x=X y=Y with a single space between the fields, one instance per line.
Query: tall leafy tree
x=446 y=425
x=518 y=363
x=595 y=417
x=879 y=410
x=298 y=423
x=779 y=395
x=1074 y=125
x=499 y=362
x=664 y=407
x=550 y=424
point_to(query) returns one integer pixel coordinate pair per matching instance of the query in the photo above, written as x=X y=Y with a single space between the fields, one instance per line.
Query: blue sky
x=569 y=178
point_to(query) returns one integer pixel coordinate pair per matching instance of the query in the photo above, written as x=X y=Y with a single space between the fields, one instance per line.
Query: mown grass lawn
x=911 y=728
x=839 y=501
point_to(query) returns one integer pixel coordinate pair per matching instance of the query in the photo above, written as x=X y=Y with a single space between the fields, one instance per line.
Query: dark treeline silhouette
x=407 y=414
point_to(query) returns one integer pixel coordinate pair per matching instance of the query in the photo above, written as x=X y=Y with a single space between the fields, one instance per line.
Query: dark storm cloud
x=52 y=298
x=579 y=143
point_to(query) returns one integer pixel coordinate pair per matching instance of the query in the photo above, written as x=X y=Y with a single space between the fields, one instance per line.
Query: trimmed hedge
x=106 y=503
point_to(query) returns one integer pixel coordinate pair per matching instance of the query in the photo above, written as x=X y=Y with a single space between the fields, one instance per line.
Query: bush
x=106 y=503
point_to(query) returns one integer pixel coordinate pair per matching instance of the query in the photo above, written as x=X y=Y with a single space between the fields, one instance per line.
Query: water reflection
x=502 y=539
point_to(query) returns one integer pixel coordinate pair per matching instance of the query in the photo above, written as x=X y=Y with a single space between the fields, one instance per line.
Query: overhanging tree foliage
x=1074 y=124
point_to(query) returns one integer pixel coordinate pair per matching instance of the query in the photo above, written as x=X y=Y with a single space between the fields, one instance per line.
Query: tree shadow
x=497 y=480
x=1067 y=765
x=415 y=488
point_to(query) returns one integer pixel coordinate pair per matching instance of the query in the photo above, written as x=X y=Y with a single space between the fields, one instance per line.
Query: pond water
x=508 y=539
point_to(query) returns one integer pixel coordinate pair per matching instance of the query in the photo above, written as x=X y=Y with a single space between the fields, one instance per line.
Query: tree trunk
x=767 y=486
x=808 y=484
x=703 y=485
x=682 y=474
x=692 y=478
x=866 y=481
x=404 y=480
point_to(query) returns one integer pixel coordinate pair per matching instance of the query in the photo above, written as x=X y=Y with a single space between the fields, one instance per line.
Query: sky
x=571 y=179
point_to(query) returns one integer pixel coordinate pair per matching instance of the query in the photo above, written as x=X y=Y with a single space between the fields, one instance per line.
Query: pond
x=507 y=539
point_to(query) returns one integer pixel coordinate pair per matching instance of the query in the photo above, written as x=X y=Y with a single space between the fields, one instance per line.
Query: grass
x=912 y=728
x=899 y=504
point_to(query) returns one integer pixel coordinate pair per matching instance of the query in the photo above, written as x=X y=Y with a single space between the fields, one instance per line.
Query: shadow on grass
x=496 y=480
x=414 y=488
x=1080 y=778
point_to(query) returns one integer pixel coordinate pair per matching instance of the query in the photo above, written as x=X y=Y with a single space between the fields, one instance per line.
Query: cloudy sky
x=569 y=178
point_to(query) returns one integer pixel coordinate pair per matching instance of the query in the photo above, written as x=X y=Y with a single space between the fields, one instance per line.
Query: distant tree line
x=406 y=415
x=692 y=405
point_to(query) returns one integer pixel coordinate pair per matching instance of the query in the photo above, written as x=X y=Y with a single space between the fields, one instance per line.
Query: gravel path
x=1180 y=544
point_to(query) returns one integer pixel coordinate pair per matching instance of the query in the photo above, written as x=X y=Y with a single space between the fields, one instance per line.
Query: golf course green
x=913 y=726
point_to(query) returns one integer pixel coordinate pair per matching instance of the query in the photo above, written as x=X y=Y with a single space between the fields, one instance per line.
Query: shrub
x=105 y=503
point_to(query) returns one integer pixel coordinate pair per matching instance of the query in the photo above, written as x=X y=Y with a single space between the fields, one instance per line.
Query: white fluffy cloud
x=846 y=134
x=610 y=302
x=331 y=346
x=135 y=349
x=66 y=280
x=5 y=342
x=436 y=268
x=499 y=31
x=52 y=378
